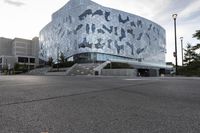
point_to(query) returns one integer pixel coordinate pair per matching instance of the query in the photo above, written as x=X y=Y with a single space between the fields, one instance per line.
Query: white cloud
x=191 y=9
x=14 y=2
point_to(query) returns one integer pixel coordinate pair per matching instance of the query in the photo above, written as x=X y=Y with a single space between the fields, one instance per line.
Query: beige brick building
x=20 y=51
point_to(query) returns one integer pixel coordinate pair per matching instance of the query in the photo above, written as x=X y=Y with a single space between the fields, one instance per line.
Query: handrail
x=100 y=67
x=68 y=70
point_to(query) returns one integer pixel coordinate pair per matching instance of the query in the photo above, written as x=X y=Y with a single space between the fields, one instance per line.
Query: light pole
x=57 y=58
x=174 y=16
x=182 y=48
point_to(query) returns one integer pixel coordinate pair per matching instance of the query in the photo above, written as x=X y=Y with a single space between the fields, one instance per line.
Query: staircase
x=82 y=69
x=39 y=71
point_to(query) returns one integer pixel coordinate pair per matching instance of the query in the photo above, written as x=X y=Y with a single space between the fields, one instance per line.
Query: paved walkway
x=86 y=104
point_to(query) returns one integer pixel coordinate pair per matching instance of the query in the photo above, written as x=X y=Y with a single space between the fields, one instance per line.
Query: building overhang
x=145 y=65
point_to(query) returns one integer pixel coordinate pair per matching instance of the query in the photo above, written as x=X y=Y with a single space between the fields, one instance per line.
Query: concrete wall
x=119 y=72
x=22 y=47
x=153 y=72
x=35 y=46
x=11 y=49
x=8 y=61
x=35 y=49
x=5 y=46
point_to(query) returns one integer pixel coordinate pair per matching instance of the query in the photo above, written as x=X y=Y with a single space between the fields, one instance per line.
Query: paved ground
x=33 y=104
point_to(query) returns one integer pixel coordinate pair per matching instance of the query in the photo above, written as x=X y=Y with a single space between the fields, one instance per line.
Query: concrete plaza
x=60 y=104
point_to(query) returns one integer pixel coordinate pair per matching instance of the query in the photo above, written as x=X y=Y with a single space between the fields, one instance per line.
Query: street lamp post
x=174 y=16
x=57 y=58
x=182 y=48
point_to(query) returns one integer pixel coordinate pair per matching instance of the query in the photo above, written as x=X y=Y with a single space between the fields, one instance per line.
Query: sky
x=25 y=18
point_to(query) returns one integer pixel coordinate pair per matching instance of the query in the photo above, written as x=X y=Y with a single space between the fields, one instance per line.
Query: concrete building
x=88 y=32
x=20 y=51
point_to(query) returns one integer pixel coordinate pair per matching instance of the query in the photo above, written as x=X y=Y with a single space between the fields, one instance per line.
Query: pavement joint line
x=135 y=79
x=28 y=84
x=71 y=95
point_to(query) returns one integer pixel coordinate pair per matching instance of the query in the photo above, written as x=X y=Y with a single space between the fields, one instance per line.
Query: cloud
x=191 y=11
x=14 y=2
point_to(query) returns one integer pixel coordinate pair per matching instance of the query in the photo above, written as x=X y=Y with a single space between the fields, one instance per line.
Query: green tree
x=191 y=52
x=196 y=48
x=62 y=58
x=24 y=68
x=50 y=61
x=16 y=66
x=189 y=55
x=192 y=58
x=197 y=34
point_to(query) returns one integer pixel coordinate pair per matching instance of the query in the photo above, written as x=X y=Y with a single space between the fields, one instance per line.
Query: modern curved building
x=86 y=32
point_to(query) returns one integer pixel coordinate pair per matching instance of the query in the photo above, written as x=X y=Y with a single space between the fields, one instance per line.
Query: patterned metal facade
x=83 y=26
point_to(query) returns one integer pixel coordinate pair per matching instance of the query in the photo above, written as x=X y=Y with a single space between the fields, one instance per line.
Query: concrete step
x=83 y=69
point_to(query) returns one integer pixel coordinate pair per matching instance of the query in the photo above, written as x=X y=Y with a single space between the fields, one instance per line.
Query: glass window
x=23 y=59
x=32 y=60
x=0 y=60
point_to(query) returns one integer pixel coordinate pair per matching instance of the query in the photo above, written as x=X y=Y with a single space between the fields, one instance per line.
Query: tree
x=196 y=48
x=62 y=58
x=191 y=52
x=197 y=34
x=189 y=55
x=50 y=61
x=192 y=58
x=16 y=66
